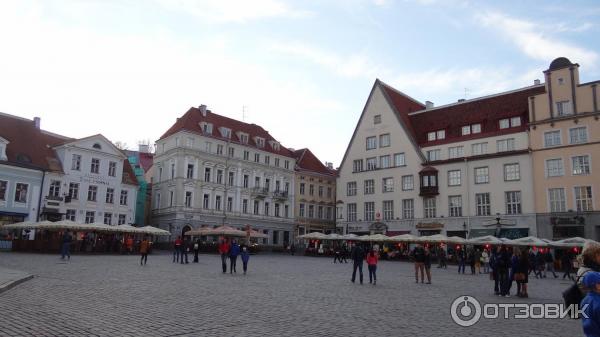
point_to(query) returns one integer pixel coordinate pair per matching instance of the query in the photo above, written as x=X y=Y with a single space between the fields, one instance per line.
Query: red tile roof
x=404 y=105
x=191 y=120
x=146 y=160
x=307 y=161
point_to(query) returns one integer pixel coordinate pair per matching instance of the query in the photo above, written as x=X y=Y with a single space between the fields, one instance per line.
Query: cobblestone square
x=281 y=296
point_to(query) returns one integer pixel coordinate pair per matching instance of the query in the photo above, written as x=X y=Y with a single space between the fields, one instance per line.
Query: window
x=208 y=147
x=408 y=183
x=455 y=205
x=188 y=199
x=357 y=165
x=552 y=138
x=441 y=134
x=482 y=175
x=504 y=123
x=371 y=164
x=408 y=209
x=311 y=189
x=350 y=188
x=256 y=181
x=245 y=182
x=351 y=212
x=430 y=136
x=110 y=195
x=157 y=205
x=564 y=108
x=371 y=143
x=311 y=211
x=172 y=198
x=369 y=186
x=384 y=161
x=469 y=129
x=76 y=162
x=108 y=218
x=172 y=170
x=454 y=178
x=578 y=135
x=123 y=198
x=268 y=184
x=384 y=140
x=245 y=206
x=190 y=142
x=219 y=176
x=112 y=169
x=231 y=178
x=377 y=119
x=160 y=169
x=277 y=208
x=95 y=167
x=466 y=130
x=89 y=217
x=561 y=81
x=207 y=128
x=476 y=128
x=369 y=211
x=260 y=142
x=246 y=155
x=436 y=135
x=244 y=138
x=329 y=214
x=257 y=157
x=456 y=152
x=581 y=165
x=583 y=198
x=321 y=191
x=433 y=155
x=557 y=200
x=478 y=149
x=429 y=180
x=320 y=212
x=92 y=192
x=276 y=162
x=515 y=121
x=266 y=208
x=190 y=171
x=207 y=174
x=513 y=202
x=225 y=132
x=21 y=192
x=71 y=215
x=301 y=210
x=205 y=201
x=3 y=188
x=504 y=145
x=554 y=168
x=388 y=185
x=256 y=206
x=219 y=149
x=286 y=164
x=54 y=190
x=399 y=159
x=512 y=172
x=218 y=202
x=388 y=210
x=302 y=188
x=122 y=219
x=482 y=203
x=275 y=237
x=329 y=193
x=429 y=207
x=267 y=160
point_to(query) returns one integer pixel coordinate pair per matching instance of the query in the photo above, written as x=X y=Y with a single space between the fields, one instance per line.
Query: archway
x=185 y=229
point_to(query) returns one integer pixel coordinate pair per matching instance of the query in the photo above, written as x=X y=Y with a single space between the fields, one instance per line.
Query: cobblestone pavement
x=280 y=296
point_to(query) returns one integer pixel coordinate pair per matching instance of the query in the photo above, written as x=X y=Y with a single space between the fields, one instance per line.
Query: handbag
x=519 y=276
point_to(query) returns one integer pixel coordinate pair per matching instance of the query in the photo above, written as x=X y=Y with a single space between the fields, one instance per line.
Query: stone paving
x=281 y=296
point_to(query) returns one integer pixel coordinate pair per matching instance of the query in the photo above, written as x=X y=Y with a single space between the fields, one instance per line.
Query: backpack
x=573 y=295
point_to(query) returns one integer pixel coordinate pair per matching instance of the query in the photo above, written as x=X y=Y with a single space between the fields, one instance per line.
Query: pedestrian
x=540 y=263
x=442 y=257
x=502 y=265
x=344 y=254
x=196 y=250
x=477 y=259
x=494 y=256
x=514 y=266
x=245 y=258
x=591 y=319
x=185 y=248
x=549 y=263
x=418 y=255
x=293 y=249
x=144 y=247
x=521 y=274
x=589 y=261
x=66 y=245
x=485 y=259
x=224 y=251
x=427 y=265
x=460 y=255
x=372 y=259
x=357 y=255
x=176 y=249
x=532 y=264
x=471 y=260
x=234 y=251
x=129 y=243
x=567 y=264
x=337 y=255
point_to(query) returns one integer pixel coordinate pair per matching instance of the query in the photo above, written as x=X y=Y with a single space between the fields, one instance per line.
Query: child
x=372 y=264
x=245 y=257
x=591 y=324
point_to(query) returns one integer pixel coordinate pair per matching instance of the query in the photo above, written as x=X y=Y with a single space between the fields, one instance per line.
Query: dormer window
x=243 y=137
x=436 y=135
x=274 y=145
x=471 y=129
x=260 y=142
x=3 y=145
x=97 y=146
x=206 y=128
x=506 y=123
x=225 y=132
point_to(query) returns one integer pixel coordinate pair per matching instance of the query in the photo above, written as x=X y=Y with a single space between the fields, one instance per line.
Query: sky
x=301 y=69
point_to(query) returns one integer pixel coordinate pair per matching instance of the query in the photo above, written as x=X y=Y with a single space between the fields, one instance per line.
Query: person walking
x=477 y=258
x=176 y=249
x=129 y=243
x=234 y=251
x=540 y=263
x=224 y=251
x=460 y=255
x=66 y=245
x=494 y=256
x=503 y=265
x=357 y=255
x=418 y=255
x=245 y=258
x=185 y=248
x=549 y=263
x=372 y=259
x=471 y=260
x=532 y=264
x=567 y=264
x=442 y=257
x=337 y=255
x=485 y=259
x=196 y=250
x=521 y=274
x=427 y=265
x=144 y=247
x=344 y=254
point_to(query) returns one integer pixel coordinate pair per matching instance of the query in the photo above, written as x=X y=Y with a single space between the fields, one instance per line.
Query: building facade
x=315 y=194
x=565 y=142
x=211 y=170
x=455 y=169
x=141 y=163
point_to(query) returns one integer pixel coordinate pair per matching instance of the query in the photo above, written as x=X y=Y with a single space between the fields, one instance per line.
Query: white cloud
x=533 y=42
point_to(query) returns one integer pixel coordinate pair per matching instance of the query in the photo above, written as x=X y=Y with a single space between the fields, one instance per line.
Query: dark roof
x=486 y=111
x=307 y=161
x=428 y=169
x=404 y=105
x=191 y=120
x=559 y=63
x=128 y=174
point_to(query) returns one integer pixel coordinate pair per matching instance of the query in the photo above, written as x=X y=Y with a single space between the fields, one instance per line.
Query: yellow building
x=565 y=143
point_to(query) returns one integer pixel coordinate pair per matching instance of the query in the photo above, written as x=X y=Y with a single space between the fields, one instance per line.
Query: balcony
x=260 y=192
x=429 y=182
x=280 y=195
x=54 y=198
x=429 y=191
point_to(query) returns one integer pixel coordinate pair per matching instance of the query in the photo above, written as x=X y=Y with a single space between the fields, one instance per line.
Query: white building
x=454 y=169
x=211 y=170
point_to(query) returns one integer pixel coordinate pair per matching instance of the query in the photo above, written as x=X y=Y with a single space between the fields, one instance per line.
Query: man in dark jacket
x=418 y=255
x=549 y=263
x=503 y=265
x=358 y=255
x=66 y=245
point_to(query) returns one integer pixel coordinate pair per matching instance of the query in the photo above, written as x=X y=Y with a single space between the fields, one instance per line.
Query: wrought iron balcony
x=260 y=192
x=280 y=195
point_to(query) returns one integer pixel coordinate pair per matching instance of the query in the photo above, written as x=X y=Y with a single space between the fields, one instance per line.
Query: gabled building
x=315 y=194
x=213 y=170
x=415 y=168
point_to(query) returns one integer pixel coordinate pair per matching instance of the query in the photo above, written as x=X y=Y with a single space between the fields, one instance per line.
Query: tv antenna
x=244 y=113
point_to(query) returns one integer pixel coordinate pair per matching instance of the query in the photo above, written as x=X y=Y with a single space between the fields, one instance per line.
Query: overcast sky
x=301 y=69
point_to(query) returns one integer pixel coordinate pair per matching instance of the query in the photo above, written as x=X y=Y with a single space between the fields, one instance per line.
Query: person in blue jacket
x=234 y=251
x=245 y=257
x=591 y=319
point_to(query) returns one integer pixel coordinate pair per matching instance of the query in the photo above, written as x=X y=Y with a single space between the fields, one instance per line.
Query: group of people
x=231 y=251
x=358 y=255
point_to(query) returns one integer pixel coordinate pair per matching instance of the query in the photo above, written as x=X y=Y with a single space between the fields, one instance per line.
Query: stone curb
x=9 y=285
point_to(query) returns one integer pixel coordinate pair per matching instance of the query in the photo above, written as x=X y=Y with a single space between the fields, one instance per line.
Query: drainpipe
x=468 y=184
x=37 y=218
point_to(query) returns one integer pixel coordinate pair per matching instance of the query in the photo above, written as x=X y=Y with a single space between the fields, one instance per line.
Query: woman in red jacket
x=372 y=264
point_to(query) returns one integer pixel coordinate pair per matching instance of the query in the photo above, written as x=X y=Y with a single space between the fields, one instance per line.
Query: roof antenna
x=244 y=113
x=466 y=92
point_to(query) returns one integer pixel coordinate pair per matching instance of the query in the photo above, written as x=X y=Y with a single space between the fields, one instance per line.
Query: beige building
x=565 y=143
x=315 y=194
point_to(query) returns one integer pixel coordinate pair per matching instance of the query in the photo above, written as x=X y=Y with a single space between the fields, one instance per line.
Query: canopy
x=404 y=238
x=21 y=225
x=527 y=241
x=351 y=237
x=257 y=234
x=456 y=240
x=154 y=231
x=375 y=238
x=334 y=236
x=485 y=240
x=437 y=238
x=313 y=236
x=218 y=231
x=570 y=242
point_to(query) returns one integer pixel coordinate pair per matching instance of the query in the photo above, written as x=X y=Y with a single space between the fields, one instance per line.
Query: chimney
x=536 y=82
x=460 y=100
x=143 y=148
x=428 y=104
x=36 y=122
x=329 y=165
x=202 y=108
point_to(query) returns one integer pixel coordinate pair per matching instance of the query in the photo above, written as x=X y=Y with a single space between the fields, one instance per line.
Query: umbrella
x=457 y=240
x=376 y=238
x=154 y=231
x=570 y=242
x=437 y=238
x=527 y=241
x=218 y=231
x=313 y=236
x=404 y=238
x=485 y=240
x=21 y=225
x=349 y=237
x=335 y=236
x=258 y=235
